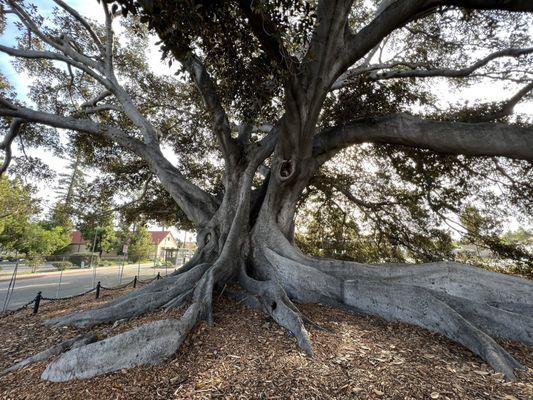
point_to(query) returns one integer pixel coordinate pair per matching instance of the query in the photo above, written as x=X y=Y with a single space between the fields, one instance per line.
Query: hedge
x=77 y=258
x=61 y=265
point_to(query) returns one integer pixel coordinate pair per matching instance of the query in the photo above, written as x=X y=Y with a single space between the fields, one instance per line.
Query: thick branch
x=474 y=139
x=109 y=39
x=56 y=43
x=82 y=21
x=207 y=89
x=97 y=109
x=508 y=106
x=415 y=70
x=395 y=14
x=197 y=204
x=12 y=133
x=50 y=55
x=451 y=73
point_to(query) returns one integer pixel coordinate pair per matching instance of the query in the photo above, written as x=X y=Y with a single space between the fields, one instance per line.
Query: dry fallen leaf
x=251 y=360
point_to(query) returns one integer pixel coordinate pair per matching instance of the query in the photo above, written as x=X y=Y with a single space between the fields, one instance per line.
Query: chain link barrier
x=147 y=281
x=117 y=287
x=11 y=312
x=54 y=299
x=69 y=297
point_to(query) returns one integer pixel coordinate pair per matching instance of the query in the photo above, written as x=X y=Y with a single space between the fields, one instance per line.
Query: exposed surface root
x=52 y=351
x=452 y=278
x=275 y=302
x=148 y=344
x=460 y=309
x=135 y=303
x=454 y=317
x=496 y=322
x=419 y=307
x=245 y=354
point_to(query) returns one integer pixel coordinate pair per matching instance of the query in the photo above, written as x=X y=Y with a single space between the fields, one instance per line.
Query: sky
x=488 y=91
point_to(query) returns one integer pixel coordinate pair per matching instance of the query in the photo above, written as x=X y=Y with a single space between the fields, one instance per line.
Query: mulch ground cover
x=246 y=356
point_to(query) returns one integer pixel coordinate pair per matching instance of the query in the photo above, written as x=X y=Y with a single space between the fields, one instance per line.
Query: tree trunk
x=248 y=241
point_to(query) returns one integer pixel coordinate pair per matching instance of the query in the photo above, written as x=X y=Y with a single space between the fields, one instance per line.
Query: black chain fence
x=39 y=298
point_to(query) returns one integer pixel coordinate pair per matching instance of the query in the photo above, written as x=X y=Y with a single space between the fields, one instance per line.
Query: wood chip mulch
x=245 y=356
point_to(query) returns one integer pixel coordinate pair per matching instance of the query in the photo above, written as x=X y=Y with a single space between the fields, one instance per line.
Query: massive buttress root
x=466 y=304
x=148 y=344
x=399 y=296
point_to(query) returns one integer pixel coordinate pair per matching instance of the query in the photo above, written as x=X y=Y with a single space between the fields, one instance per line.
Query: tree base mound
x=245 y=354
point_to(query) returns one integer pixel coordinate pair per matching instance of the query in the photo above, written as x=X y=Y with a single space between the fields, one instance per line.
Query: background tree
x=329 y=111
x=19 y=230
x=37 y=241
x=520 y=235
x=96 y=218
x=140 y=244
x=70 y=186
x=16 y=205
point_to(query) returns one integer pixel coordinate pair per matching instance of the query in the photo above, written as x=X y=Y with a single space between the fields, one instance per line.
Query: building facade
x=164 y=246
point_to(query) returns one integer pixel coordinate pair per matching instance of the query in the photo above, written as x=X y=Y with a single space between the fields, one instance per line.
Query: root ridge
x=460 y=319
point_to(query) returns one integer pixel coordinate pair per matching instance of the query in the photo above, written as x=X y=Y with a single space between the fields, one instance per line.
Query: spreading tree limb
x=475 y=139
x=5 y=145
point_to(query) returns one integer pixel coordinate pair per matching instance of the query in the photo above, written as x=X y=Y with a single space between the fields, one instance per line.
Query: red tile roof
x=76 y=237
x=158 y=236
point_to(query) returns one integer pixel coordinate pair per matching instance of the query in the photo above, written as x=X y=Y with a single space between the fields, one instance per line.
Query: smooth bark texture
x=477 y=139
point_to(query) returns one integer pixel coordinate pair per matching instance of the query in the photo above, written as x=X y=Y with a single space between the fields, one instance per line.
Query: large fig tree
x=267 y=93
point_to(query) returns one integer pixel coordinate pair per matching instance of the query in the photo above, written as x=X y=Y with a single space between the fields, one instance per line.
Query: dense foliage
x=21 y=232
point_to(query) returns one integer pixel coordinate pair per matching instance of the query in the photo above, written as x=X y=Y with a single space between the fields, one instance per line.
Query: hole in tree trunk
x=286 y=169
x=273 y=305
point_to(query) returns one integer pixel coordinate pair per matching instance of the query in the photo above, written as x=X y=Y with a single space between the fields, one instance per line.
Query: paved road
x=72 y=282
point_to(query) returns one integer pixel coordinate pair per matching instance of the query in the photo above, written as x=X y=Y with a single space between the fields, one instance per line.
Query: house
x=78 y=244
x=165 y=246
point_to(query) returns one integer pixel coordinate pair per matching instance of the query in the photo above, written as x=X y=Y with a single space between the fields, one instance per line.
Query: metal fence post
x=59 y=283
x=98 y=289
x=135 y=282
x=37 y=303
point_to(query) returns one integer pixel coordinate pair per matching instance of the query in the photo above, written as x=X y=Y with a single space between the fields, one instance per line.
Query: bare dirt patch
x=245 y=356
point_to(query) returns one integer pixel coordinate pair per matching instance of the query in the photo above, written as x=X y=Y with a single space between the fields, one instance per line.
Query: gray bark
x=73 y=343
x=459 y=319
x=476 y=139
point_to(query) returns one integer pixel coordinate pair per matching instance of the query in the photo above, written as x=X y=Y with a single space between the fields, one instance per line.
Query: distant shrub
x=77 y=258
x=61 y=265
